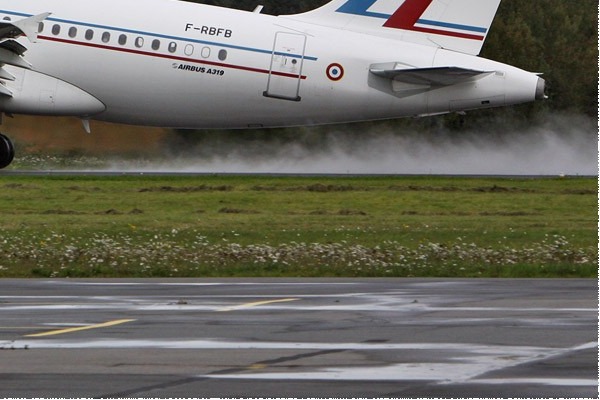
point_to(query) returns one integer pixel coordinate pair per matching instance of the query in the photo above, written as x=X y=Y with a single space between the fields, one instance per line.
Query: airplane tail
x=459 y=25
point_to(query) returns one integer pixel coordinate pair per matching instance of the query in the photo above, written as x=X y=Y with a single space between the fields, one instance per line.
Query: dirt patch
x=580 y=192
x=111 y=211
x=501 y=189
x=84 y=189
x=351 y=212
x=508 y=214
x=448 y=189
x=228 y=210
x=343 y=212
x=261 y=188
x=187 y=189
x=415 y=188
x=318 y=187
x=62 y=212
x=19 y=186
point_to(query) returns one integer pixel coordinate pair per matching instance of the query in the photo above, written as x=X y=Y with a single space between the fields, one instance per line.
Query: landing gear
x=7 y=151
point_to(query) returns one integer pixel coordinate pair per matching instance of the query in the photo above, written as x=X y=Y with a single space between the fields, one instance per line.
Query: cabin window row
x=138 y=42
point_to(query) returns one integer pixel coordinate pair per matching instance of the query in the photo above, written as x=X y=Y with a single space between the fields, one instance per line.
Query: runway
x=299 y=338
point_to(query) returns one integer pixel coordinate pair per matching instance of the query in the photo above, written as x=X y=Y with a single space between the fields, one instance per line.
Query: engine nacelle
x=34 y=93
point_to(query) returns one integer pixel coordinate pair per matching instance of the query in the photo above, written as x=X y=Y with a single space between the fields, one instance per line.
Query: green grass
x=123 y=226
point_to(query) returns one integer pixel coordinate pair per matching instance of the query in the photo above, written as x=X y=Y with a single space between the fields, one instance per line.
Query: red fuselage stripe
x=447 y=33
x=170 y=57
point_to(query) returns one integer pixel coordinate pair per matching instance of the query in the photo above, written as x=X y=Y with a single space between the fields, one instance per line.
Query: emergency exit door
x=285 y=72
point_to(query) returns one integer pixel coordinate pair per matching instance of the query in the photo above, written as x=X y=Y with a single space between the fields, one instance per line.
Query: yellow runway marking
x=255 y=304
x=81 y=328
x=257 y=366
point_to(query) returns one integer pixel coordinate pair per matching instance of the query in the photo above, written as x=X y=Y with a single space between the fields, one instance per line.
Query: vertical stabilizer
x=459 y=25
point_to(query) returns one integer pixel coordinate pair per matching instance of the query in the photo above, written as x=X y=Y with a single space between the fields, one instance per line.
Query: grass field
x=204 y=226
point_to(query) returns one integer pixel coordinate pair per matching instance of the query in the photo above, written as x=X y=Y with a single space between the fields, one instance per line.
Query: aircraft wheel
x=7 y=151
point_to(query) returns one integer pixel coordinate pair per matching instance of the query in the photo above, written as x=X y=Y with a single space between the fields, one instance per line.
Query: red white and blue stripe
x=408 y=17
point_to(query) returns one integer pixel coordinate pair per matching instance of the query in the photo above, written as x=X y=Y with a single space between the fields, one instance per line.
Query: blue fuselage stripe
x=452 y=26
x=158 y=35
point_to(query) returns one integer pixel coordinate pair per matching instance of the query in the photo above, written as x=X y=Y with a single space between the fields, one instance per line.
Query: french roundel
x=335 y=72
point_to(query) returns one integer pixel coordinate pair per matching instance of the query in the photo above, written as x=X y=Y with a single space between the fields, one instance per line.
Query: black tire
x=7 y=151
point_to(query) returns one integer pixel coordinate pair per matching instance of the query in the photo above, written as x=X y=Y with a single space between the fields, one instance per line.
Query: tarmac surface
x=299 y=338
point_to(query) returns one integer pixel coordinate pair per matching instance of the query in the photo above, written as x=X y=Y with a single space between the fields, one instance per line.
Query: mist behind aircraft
x=561 y=145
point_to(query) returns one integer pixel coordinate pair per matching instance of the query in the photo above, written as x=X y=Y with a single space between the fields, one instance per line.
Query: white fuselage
x=175 y=64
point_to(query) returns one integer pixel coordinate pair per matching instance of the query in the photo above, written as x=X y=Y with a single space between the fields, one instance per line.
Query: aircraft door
x=285 y=72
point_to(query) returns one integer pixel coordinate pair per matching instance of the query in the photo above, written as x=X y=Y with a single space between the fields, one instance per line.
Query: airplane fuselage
x=186 y=65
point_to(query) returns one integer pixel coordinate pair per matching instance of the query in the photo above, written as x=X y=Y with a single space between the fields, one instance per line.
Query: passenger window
x=40 y=27
x=72 y=32
x=89 y=34
x=106 y=37
x=223 y=55
x=172 y=47
x=139 y=42
x=56 y=29
x=123 y=40
x=189 y=50
x=205 y=52
x=155 y=44
x=6 y=18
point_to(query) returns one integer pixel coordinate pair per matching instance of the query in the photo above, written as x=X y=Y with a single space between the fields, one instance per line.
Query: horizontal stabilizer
x=434 y=76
